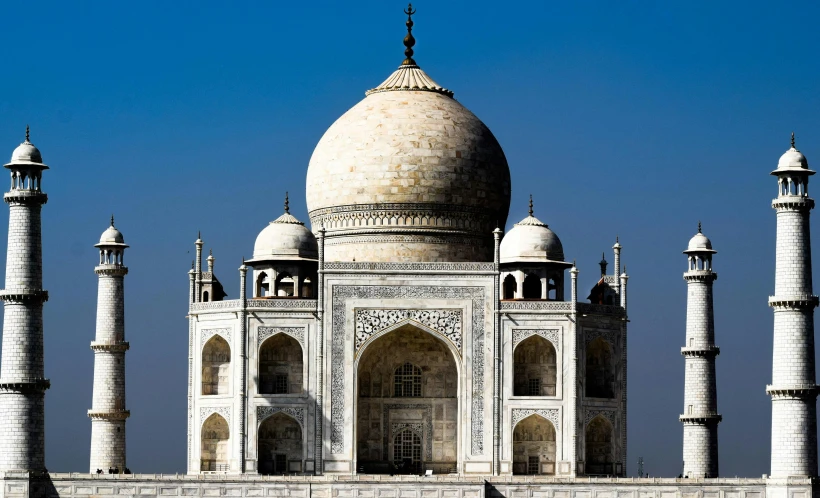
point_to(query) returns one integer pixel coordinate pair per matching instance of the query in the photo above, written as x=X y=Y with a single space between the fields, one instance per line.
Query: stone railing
x=229 y=305
x=600 y=309
x=561 y=306
x=281 y=303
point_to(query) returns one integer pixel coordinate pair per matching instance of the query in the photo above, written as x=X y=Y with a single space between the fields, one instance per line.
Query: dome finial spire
x=530 y=204
x=28 y=134
x=409 y=41
x=112 y=220
x=699 y=228
x=793 y=140
x=287 y=203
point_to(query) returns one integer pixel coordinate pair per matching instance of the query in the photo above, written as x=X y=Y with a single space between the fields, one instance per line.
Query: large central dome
x=408 y=174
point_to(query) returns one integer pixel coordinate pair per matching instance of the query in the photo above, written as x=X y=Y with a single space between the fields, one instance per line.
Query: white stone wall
x=22 y=342
x=793 y=347
x=22 y=441
x=700 y=449
x=794 y=437
x=24 y=260
x=793 y=253
x=107 y=445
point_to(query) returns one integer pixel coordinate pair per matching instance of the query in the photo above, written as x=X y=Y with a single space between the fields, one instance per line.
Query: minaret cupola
x=26 y=167
x=112 y=246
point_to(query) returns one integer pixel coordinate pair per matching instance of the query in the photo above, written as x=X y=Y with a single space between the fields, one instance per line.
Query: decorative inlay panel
x=206 y=334
x=607 y=414
x=551 y=414
x=207 y=411
x=297 y=412
x=342 y=293
x=428 y=425
x=446 y=322
x=263 y=333
x=398 y=266
x=551 y=335
x=305 y=304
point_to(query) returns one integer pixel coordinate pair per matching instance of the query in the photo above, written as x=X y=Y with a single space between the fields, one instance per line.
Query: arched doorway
x=600 y=370
x=280 y=366
x=534 y=446
x=214 y=444
x=279 y=443
x=407 y=388
x=600 y=456
x=534 y=368
x=216 y=364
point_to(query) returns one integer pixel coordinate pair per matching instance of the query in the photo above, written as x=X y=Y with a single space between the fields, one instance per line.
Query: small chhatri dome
x=26 y=154
x=531 y=240
x=111 y=236
x=285 y=238
x=792 y=159
x=699 y=243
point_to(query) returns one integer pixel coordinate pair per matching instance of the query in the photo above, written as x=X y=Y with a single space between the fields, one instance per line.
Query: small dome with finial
x=792 y=159
x=111 y=236
x=26 y=154
x=285 y=238
x=531 y=240
x=699 y=243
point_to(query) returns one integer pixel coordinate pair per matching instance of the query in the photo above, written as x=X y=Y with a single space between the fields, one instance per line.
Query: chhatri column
x=793 y=388
x=22 y=385
x=108 y=411
x=700 y=418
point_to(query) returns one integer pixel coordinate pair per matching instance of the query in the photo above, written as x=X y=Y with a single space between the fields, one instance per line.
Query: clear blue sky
x=628 y=118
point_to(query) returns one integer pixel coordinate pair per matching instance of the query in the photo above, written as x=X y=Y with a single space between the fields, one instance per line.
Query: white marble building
x=404 y=332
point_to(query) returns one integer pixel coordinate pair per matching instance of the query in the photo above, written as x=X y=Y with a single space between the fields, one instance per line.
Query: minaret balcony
x=22 y=196
x=708 y=351
x=700 y=275
x=109 y=414
x=23 y=295
x=792 y=390
x=701 y=418
x=25 y=385
x=110 y=346
x=798 y=202
x=800 y=301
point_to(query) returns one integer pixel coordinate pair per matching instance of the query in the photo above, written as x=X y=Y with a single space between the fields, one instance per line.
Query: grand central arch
x=407 y=403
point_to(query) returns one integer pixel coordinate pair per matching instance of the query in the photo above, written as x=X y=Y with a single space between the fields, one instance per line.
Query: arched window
x=599 y=454
x=509 y=287
x=214 y=444
x=285 y=285
x=600 y=370
x=534 y=446
x=407 y=451
x=262 y=285
x=407 y=381
x=552 y=290
x=532 y=287
x=534 y=368
x=279 y=441
x=216 y=364
x=280 y=365
x=307 y=288
x=205 y=297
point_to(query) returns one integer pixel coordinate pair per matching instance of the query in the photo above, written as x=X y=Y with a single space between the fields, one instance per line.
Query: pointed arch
x=281 y=365
x=532 y=287
x=534 y=446
x=279 y=445
x=509 y=287
x=214 y=444
x=535 y=371
x=599 y=447
x=600 y=369
x=216 y=365
x=262 y=285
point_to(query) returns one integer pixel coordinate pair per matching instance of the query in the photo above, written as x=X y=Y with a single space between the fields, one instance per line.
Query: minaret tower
x=700 y=418
x=793 y=388
x=22 y=385
x=108 y=411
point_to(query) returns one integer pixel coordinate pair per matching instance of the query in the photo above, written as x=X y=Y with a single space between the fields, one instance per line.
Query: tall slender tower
x=22 y=385
x=108 y=411
x=700 y=418
x=793 y=388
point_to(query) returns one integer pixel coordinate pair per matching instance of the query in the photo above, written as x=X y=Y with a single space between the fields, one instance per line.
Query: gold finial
x=287 y=203
x=699 y=230
x=792 y=139
x=530 y=204
x=409 y=41
x=28 y=134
